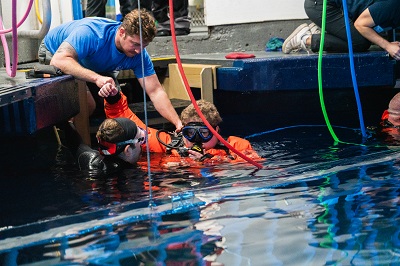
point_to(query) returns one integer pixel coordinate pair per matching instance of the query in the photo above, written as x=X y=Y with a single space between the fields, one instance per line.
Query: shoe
x=179 y=32
x=314 y=29
x=161 y=33
x=294 y=42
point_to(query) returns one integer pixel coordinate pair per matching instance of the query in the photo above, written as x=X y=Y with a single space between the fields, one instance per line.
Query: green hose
x=321 y=95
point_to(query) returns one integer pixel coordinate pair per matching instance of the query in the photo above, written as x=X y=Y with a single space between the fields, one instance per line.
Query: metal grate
x=197 y=16
x=197 y=23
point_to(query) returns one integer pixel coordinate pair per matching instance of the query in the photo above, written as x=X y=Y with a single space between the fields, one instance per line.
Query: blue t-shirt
x=94 y=41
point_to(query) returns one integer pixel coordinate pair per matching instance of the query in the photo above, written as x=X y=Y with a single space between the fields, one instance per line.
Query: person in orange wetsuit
x=390 y=121
x=197 y=141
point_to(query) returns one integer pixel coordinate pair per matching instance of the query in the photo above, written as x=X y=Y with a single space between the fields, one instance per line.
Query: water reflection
x=169 y=239
x=314 y=203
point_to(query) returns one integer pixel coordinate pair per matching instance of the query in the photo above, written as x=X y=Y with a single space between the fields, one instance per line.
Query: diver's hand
x=195 y=155
x=196 y=151
x=107 y=90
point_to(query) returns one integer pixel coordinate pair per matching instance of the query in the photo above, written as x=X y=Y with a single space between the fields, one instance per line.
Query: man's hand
x=103 y=80
x=394 y=50
x=107 y=89
x=179 y=127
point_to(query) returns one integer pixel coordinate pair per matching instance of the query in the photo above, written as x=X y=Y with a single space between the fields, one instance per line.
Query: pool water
x=315 y=202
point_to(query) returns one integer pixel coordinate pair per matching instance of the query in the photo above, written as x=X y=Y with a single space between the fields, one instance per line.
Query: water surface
x=315 y=202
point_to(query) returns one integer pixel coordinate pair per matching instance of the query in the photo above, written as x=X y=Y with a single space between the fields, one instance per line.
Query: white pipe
x=39 y=34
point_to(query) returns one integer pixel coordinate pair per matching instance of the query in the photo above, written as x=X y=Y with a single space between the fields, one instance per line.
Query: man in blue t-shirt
x=95 y=49
x=367 y=20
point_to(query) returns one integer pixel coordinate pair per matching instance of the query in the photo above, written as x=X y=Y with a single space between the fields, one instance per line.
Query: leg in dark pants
x=181 y=15
x=96 y=8
x=128 y=5
x=335 y=36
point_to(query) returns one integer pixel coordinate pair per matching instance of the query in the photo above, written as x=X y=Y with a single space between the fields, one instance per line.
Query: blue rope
x=295 y=126
x=353 y=76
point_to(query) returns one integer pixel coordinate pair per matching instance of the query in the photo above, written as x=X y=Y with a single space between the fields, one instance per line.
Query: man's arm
x=160 y=99
x=66 y=59
x=364 y=24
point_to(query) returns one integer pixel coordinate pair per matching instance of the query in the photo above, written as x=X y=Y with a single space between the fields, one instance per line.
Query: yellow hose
x=37 y=11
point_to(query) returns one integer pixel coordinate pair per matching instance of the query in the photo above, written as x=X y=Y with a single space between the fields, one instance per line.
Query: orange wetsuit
x=387 y=131
x=121 y=109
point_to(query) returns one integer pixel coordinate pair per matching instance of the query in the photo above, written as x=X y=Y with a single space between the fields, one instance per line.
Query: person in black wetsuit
x=119 y=141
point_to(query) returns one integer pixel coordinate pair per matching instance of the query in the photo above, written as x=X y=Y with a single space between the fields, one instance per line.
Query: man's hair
x=189 y=114
x=110 y=130
x=131 y=24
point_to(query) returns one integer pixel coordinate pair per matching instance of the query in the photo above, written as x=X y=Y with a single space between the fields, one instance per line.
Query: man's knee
x=44 y=54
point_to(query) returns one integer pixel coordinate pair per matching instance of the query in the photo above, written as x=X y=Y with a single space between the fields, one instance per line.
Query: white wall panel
x=61 y=11
x=222 y=12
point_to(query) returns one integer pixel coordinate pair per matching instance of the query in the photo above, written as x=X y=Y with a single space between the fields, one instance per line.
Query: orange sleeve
x=243 y=146
x=154 y=143
x=121 y=109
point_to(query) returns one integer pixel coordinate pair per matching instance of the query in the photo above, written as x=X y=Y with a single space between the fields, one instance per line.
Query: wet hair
x=131 y=24
x=116 y=130
x=189 y=114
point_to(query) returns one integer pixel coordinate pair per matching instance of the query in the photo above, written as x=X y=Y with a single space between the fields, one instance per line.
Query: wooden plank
x=198 y=76
x=193 y=67
x=81 y=120
x=207 y=85
x=176 y=88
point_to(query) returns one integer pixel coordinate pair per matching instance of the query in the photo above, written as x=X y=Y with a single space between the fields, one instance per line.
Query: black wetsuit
x=88 y=158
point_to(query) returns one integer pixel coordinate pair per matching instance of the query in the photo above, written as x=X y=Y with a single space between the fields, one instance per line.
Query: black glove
x=43 y=71
x=113 y=99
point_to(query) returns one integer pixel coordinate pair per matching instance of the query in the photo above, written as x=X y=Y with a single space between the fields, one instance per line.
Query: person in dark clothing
x=159 y=8
x=181 y=16
x=119 y=141
x=367 y=20
x=97 y=8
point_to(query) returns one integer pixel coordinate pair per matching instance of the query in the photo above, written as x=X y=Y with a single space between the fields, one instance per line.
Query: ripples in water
x=313 y=203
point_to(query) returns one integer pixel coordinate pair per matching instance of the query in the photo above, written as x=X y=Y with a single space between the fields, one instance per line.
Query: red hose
x=178 y=61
